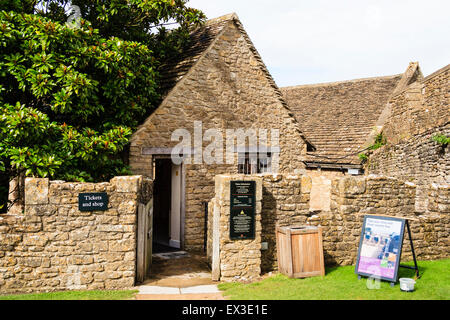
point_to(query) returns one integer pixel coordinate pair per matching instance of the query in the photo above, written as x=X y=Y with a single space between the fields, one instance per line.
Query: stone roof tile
x=200 y=40
x=338 y=117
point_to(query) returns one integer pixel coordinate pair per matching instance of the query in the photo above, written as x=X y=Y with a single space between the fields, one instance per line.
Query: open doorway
x=167 y=194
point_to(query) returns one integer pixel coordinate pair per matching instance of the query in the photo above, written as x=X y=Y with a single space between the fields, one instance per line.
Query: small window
x=253 y=163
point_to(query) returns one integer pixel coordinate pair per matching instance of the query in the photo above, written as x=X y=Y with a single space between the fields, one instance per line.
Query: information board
x=93 y=201
x=380 y=247
x=242 y=210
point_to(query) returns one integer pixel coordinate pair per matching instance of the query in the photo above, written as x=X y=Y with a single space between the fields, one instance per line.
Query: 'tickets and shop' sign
x=93 y=201
x=242 y=210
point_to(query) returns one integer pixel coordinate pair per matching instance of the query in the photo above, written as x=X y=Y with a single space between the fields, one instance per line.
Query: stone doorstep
x=200 y=289
x=158 y=290
x=191 y=297
x=205 y=289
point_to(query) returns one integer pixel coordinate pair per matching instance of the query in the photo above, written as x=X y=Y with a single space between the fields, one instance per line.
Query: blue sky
x=304 y=42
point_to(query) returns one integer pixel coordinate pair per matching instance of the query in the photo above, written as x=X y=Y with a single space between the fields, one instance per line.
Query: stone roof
x=200 y=40
x=339 y=117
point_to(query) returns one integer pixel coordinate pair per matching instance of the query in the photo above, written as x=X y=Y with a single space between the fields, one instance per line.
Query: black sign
x=93 y=201
x=242 y=210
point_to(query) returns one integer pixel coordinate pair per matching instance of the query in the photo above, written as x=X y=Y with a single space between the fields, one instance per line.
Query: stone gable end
x=228 y=88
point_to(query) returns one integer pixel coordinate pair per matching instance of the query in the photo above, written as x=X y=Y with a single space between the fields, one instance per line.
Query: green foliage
x=144 y=21
x=75 y=295
x=441 y=139
x=4 y=190
x=72 y=94
x=70 y=99
x=380 y=141
x=363 y=157
x=25 y=6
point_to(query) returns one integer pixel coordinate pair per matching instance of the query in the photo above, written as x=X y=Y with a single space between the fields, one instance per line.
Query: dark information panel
x=242 y=210
x=93 y=201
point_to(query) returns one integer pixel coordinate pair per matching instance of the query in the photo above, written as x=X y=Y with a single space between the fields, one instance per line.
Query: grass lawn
x=341 y=283
x=75 y=295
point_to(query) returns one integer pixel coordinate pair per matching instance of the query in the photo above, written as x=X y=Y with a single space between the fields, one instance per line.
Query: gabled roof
x=201 y=40
x=339 y=117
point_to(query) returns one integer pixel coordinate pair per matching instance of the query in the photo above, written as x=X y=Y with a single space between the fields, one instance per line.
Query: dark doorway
x=162 y=203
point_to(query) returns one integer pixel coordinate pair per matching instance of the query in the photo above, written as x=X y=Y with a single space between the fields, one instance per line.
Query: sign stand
x=415 y=267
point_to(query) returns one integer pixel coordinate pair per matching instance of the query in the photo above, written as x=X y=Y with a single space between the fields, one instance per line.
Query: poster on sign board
x=380 y=247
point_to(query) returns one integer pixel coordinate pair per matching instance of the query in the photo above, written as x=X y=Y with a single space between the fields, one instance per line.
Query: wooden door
x=144 y=241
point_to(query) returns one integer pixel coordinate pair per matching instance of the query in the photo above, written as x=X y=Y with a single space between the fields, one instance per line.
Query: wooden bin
x=300 y=251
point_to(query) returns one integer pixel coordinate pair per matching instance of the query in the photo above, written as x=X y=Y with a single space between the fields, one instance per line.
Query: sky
x=315 y=41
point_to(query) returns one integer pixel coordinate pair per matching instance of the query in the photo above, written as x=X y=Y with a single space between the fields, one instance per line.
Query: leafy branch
x=380 y=141
x=441 y=139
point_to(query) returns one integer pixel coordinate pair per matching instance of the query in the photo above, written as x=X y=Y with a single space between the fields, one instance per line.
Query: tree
x=70 y=98
x=144 y=21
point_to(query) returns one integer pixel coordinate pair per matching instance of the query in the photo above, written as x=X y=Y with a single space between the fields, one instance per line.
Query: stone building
x=301 y=170
x=342 y=119
x=419 y=111
x=219 y=82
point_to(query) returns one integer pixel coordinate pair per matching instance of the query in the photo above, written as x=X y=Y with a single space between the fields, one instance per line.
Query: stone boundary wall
x=53 y=246
x=233 y=259
x=353 y=197
x=285 y=201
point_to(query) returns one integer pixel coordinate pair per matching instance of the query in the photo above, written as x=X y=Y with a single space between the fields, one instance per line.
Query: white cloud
x=319 y=41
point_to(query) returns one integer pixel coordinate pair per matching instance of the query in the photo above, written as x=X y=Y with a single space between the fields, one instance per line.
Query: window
x=253 y=163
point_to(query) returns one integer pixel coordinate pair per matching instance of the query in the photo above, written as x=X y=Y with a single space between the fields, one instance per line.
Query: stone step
x=170 y=290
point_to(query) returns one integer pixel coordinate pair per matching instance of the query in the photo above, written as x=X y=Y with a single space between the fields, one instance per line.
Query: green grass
x=341 y=283
x=75 y=295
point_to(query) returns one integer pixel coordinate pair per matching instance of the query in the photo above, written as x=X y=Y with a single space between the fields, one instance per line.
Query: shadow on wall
x=268 y=228
x=4 y=189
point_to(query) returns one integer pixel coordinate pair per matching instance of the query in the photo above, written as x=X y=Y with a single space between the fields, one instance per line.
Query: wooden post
x=321 y=259
x=289 y=260
x=141 y=238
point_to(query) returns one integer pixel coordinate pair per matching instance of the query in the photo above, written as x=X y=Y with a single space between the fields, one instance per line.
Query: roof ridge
x=323 y=84
x=270 y=79
x=226 y=17
x=437 y=72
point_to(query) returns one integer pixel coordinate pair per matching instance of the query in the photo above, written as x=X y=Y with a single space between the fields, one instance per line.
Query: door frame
x=165 y=153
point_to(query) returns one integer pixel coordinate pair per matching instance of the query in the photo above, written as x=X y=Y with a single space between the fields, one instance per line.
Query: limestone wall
x=419 y=112
x=353 y=197
x=285 y=201
x=234 y=259
x=53 y=246
x=421 y=106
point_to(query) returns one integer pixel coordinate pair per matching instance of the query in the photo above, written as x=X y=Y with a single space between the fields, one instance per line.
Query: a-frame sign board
x=380 y=248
